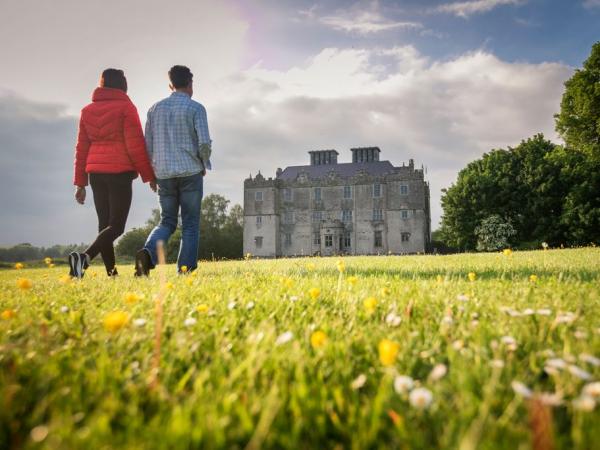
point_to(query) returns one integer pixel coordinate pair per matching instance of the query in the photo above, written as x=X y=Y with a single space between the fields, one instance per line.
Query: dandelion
x=318 y=339
x=202 y=308
x=48 y=260
x=65 y=279
x=359 y=382
x=287 y=282
x=341 y=267
x=579 y=372
x=139 y=323
x=403 y=384
x=189 y=322
x=533 y=278
x=314 y=293
x=115 y=320
x=521 y=389
x=545 y=245
x=438 y=372
x=169 y=285
x=584 y=403
x=420 y=398
x=393 y=320
x=19 y=266
x=370 y=304
x=8 y=314
x=439 y=279
x=284 y=338
x=352 y=280
x=507 y=252
x=385 y=291
x=24 y=284
x=132 y=297
x=388 y=351
x=183 y=269
x=472 y=276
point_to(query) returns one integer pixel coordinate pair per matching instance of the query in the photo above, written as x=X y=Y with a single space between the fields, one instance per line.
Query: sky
x=440 y=82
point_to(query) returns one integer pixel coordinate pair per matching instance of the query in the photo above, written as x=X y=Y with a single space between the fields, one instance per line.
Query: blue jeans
x=173 y=193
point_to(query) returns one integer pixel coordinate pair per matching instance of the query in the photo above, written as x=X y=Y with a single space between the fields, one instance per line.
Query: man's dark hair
x=114 y=78
x=180 y=76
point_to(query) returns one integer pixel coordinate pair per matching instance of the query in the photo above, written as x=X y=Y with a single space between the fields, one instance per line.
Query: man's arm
x=204 y=141
x=148 y=134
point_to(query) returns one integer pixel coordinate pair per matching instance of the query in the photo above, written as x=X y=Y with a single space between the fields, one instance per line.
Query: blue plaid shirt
x=177 y=137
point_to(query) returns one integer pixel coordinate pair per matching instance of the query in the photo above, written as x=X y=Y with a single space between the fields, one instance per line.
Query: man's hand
x=203 y=173
x=80 y=195
x=153 y=185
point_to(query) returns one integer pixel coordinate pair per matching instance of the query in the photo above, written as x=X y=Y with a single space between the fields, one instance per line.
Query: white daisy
x=393 y=320
x=403 y=384
x=190 y=321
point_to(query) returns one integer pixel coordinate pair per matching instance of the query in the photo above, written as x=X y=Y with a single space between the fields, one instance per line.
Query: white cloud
x=591 y=4
x=468 y=8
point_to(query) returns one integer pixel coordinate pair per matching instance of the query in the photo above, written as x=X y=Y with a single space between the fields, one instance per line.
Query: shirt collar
x=179 y=94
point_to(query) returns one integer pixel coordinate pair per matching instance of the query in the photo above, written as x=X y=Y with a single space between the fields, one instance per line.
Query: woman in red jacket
x=110 y=151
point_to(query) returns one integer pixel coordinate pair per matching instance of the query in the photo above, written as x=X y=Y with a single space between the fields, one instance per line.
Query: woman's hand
x=80 y=195
x=153 y=185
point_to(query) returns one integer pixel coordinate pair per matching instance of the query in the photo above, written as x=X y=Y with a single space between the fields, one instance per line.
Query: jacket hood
x=102 y=94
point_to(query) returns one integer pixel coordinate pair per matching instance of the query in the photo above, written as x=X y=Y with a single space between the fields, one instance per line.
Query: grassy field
x=473 y=351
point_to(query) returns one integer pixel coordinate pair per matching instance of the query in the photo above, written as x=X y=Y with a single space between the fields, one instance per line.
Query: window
x=318 y=194
x=258 y=240
x=347 y=215
x=403 y=189
x=258 y=221
x=287 y=194
x=378 y=239
x=404 y=237
x=288 y=217
x=317 y=216
x=258 y=196
x=404 y=213
x=377 y=214
x=377 y=190
x=328 y=240
x=347 y=240
x=347 y=191
x=287 y=239
x=316 y=238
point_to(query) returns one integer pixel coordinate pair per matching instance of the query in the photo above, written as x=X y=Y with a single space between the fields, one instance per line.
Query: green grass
x=66 y=382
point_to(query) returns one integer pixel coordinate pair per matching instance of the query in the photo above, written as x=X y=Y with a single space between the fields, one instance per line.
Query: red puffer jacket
x=110 y=138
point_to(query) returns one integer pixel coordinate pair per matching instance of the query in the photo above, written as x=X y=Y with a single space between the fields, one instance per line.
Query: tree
x=494 y=233
x=578 y=122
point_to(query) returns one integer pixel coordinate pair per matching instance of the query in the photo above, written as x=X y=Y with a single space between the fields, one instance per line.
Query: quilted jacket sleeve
x=136 y=145
x=81 y=153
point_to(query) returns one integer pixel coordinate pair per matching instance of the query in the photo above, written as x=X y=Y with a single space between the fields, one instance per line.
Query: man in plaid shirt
x=179 y=146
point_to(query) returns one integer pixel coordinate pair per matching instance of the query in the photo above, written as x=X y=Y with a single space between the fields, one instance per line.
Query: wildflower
x=438 y=372
x=284 y=338
x=403 y=384
x=550 y=398
x=521 y=389
x=310 y=267
x=202 y=308
x=231 y=305
x=65 y=279
x=420 y=398
x=24 y=283
x=183 y=269
x=190 y=321
x=584 y=403
x=115 y=320
x=590 y=359
x=592 y=389
x=318 y=339
x=458 y=344
x=139 y=323
x=556 y=363
x=509 y=341
x=388 y=351
x=462 y=298
x=579 y=372
x=352 y=280
x=287 y=282
x=566 y=317
x=472 y=276
x=341 y=267
x=385 y=291
x=64 y=309
x=8 y=314
x=48 y=260
x=19 y=266
x=497 y=363
x=249 y=305
x=169 y=285
x=543 y=312
x=370 y=304
x=314 y=293
x=294 y=298
x=393 y=320
x=545 y=245
x=248 y=256
x=439 y=279
x=507 y=252
x=359 y=381
x=132 y=297
x=533 y=278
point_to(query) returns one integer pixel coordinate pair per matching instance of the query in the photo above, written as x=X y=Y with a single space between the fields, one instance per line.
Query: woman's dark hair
x=180 y=76
x=114 y=78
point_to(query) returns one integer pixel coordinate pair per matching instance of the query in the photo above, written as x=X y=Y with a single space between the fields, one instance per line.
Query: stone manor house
x=364 y=207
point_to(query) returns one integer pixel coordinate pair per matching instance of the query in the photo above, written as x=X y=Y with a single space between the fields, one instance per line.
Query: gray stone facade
x=364 y=207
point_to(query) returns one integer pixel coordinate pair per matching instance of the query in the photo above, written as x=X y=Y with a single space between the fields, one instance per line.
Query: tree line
x=538 y=192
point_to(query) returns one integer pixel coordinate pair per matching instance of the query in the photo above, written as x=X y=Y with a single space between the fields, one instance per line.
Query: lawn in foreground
x=465 y=351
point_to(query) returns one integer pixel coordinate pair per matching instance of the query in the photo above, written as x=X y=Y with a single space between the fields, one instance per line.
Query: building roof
x=344 y=170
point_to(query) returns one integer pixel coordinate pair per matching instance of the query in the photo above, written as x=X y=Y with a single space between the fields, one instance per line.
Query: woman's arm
x=82 y=149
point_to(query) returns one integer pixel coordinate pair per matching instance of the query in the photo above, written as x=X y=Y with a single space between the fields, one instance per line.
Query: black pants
x=112 y=199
